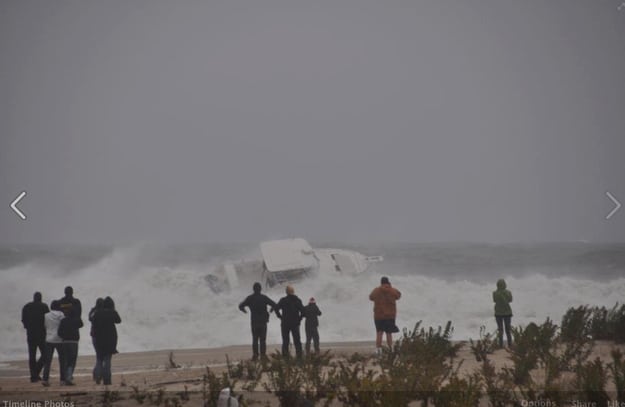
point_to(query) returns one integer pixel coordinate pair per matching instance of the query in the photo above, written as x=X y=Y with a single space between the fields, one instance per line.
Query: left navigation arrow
x=14 y=205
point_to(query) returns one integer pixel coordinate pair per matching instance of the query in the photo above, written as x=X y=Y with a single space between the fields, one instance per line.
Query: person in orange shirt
x=384 y=312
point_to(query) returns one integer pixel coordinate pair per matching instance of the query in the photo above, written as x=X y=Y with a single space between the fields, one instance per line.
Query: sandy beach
x=149 y=371
x=152 y=375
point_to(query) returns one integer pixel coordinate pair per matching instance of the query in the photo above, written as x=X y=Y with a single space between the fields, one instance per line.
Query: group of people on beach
x=58 y=329
x=291 y=311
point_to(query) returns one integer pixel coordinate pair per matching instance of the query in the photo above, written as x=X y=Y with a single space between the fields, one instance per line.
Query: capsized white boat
x=288 y=261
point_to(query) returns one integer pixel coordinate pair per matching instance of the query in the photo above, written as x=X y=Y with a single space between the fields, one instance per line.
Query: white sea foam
x=171 y=308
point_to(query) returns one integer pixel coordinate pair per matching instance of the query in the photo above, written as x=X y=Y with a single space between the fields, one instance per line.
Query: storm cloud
x=491 y=121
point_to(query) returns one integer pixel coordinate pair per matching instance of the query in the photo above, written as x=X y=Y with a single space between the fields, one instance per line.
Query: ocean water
x=165 y=303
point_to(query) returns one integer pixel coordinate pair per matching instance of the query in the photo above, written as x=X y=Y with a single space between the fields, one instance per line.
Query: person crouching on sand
x=384 y=312
x=503 y=312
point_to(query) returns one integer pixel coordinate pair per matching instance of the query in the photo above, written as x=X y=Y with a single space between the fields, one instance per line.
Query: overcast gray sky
x=175 y=121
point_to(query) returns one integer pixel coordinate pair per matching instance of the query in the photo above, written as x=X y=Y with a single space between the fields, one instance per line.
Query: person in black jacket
x=69 y=331
x=290 y=310
x=33 y=321
x=105 y=336
x=71 y=305
x=259 y=317
x=312 y=314
x=96 y=369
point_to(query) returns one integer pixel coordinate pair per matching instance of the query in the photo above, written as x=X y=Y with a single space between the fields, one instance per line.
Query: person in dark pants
x=312 y=314
x=54 y=342
x=105 y=334
x=69 y=332
x=259 y=317
x=97 y=377
x=70 y=326
x=33 y=320
x=502 y=298
x=291 y=311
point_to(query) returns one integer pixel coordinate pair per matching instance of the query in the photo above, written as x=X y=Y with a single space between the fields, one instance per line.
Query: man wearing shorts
x=384 y=312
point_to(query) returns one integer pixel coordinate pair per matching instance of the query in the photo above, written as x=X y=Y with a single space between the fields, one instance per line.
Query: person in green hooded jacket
x=502 y=298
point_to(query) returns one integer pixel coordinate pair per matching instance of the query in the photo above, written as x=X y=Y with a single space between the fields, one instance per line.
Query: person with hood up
x=105 y=335
x=502 y=297
x=291 y=311
x=384 y=312
x=33 y=320
x=97 y=306
x=53 y=342
x=312 y=314
x=259 y=317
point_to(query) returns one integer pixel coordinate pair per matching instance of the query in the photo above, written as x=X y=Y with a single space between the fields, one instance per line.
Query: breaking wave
x=165 y=302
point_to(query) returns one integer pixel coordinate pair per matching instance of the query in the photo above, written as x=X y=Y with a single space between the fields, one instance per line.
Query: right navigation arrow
x=616 y=202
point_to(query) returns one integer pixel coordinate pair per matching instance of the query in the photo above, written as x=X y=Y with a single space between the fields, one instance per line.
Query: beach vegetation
x=287 y=380
x=138 y=395
x=617 y=370
x=356 y=384
x=358 y=357
x=533 y=347
x=598 y=323
x=485 y=346
x=109 y=397
x=184 y=395
x=496 y=385
x=249 y=370
x=591 y=379
x=460 y=392
x=417 y=364
x=315 y=368
x=212 y=384
x=544 y=362
x=158 y=398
